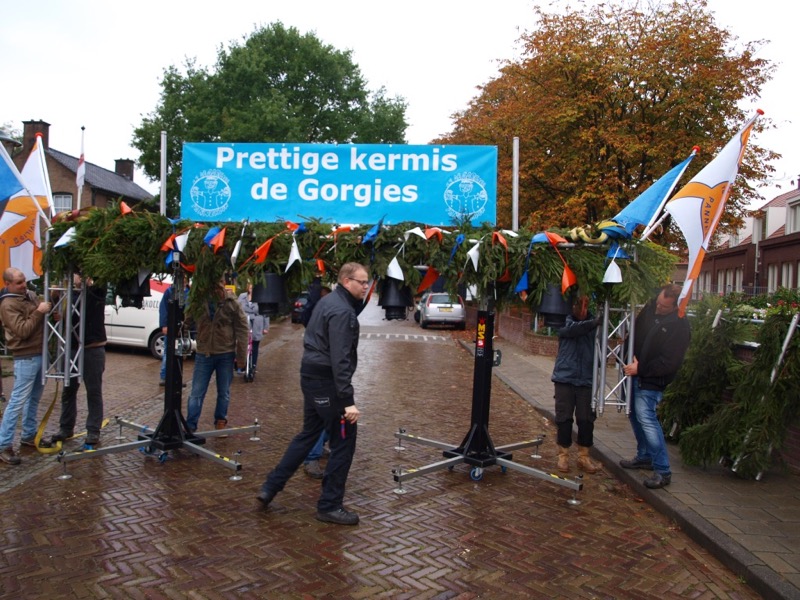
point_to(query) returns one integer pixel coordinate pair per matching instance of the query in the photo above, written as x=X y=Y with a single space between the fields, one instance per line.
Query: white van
x=137 y=327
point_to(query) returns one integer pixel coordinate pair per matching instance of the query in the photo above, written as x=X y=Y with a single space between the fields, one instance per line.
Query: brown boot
x=586 y=464
x=563 y=459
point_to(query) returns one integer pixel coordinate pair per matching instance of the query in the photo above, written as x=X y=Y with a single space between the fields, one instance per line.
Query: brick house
x=101 y=186
x=759 y=258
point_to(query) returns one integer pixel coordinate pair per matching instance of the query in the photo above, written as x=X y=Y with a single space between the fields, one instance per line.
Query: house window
x=62 y=202
x=772 y=278
x=739 y=279
x=720 y=282
x=793 y=218
x=734 y=239
x=786 y=275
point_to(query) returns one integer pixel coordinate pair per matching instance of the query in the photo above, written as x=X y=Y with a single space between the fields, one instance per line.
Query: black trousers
x=574 y=400
x=321 y=410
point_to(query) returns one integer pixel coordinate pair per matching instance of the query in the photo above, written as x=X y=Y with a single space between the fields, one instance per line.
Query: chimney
x=124 y=167
x=29 y=131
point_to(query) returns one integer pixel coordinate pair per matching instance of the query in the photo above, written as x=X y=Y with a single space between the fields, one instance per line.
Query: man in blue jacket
x=326 y=371
x=572 y=378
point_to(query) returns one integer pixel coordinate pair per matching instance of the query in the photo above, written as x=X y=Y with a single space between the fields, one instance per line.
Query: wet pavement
x=128 y=525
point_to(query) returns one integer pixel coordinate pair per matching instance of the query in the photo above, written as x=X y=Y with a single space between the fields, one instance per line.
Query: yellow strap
x=57 y=446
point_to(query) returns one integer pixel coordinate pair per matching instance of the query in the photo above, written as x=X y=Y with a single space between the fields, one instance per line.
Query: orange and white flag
x=698 y=206
x=21 y=223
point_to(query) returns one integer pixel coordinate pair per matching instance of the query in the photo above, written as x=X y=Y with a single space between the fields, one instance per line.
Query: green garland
x=113 y=247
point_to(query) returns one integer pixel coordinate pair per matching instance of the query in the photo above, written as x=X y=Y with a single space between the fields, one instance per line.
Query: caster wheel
x=476 y=474
x=162 y=458
x=503 y=469
x=450 y=468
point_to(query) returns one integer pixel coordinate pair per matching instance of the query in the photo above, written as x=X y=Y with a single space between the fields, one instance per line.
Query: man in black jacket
x=661 y=338
x=326 y=371
x=94 y=364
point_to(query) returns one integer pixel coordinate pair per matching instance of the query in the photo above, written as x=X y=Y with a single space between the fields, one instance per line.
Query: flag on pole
x=80 y=174
x=644 y=209
x=10 y=179
x=698 y=206
x=20 y=223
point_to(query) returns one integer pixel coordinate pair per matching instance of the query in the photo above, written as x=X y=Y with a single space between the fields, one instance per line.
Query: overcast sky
x=99 y=63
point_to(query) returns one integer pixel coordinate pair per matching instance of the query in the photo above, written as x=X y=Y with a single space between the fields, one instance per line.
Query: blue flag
x=649 y=203
x=10 y=182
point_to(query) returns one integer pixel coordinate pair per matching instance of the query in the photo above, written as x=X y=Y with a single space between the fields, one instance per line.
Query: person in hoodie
x=23 y=316
x=572 y=380
x=329 y=362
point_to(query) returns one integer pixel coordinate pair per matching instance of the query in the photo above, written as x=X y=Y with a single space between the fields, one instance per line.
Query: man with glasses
x=661 y=339
x=23 y=316
x=326 y=371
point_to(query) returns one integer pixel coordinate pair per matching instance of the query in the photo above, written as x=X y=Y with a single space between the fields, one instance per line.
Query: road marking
x=404 y=337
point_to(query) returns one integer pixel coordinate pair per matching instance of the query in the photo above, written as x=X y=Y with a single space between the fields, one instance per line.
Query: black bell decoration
x=395 y=298
x=269 y=294
x=132 y=293
x=554 y=308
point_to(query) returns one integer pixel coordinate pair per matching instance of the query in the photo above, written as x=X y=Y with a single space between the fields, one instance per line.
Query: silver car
x=442 y=309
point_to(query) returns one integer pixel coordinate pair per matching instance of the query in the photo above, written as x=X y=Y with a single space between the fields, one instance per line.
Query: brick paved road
x=127 y=526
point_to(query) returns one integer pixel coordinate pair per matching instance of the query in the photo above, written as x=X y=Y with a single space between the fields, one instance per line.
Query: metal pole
x=515 y=188
x=163 y=192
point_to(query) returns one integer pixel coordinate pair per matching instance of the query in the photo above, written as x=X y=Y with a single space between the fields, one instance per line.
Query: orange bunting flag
x=430 y=278
x=433 y=231
x=342 y=229
x=124 y=208
x=320 y=266
x=292 y=226
x=218 y=241
x=262 y=251
x=498 y=237
x=169 y=244
x=568 y=278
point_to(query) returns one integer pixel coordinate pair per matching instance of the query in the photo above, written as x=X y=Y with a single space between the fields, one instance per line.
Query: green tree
x=606 y=99
x=277 y=85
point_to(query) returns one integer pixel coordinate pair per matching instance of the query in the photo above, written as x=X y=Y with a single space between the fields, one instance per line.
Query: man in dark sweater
x=661 y=338
x=326 y=372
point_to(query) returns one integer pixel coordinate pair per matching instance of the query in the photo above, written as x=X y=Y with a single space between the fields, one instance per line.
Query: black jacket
x=660 y=343
x=575 y=360
x=331 y=342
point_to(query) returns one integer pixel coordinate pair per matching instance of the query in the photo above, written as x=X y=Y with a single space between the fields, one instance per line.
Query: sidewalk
x=752 y=527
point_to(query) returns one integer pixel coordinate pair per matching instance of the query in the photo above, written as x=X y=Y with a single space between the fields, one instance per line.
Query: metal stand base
x=477 y=448
x=171 y=433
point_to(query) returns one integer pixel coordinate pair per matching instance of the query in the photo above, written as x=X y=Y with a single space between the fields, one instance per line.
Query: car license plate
x=445 y=309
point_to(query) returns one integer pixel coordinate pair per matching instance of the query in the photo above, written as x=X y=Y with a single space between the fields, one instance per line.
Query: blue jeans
x=204 y=367
x=321 y=411
x=650 y=442
x=316 y=451
x=27 y=392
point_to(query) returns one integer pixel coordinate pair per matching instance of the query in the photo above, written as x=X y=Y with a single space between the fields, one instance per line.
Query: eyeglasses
x=364 y=283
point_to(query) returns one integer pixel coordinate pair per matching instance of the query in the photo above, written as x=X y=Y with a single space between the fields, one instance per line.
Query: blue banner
x=354 y=184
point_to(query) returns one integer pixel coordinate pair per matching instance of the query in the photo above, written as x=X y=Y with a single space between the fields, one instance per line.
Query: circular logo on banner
x=465 y=196
x=210 y=193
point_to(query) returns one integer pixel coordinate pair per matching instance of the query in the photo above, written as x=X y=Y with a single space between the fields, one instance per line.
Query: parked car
x=298 y=306
x=137 y=327
x=442 y=309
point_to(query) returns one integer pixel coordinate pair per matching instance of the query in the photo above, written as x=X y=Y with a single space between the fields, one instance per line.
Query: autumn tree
x=606 y=99
x=276 y=86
